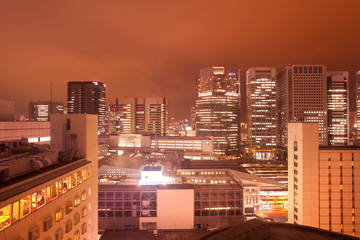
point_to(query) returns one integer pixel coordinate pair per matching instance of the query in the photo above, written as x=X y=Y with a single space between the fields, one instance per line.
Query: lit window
x=24 y=206
x=83 y=196
x=77 y=201
x=77 y=235
x=59 y=214
x=5 y=214
x=83 y=212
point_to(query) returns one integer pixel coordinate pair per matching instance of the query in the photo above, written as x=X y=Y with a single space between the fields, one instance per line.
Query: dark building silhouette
x=87 y=97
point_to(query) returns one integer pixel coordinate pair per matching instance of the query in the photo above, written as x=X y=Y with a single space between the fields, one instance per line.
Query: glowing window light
x=45 y=139
x=33 y=140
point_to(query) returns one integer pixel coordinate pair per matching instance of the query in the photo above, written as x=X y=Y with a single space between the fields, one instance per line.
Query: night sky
x=156 y=48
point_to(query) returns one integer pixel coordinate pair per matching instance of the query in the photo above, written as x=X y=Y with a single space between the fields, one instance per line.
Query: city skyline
x=157 y=53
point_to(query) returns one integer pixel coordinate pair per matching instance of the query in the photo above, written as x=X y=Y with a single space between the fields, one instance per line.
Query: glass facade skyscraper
x=338 y=111
x=261 y=112
x=87 y=97
x=218 y=108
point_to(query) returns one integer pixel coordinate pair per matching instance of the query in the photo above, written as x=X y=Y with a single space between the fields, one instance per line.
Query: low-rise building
x=53 y=194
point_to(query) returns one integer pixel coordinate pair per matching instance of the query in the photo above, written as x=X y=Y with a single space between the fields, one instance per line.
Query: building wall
x=175 y=208
x=85 y=126
x=36 y=218
x=303 y=180
x=10 y=131
x=328 y=189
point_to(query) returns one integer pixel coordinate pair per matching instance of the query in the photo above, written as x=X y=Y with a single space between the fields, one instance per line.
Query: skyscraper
x=218 y=108
x=358 y=103
x=139 y=115
x=87 y=97
x=338 y=110
x=261 y=112
x=40 y=111
x=301 y=97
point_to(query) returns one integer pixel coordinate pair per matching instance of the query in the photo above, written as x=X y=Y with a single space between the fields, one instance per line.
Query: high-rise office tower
x=40 y=111
x=301 y=97
x=261 y=112
x=358 y=103
x=338 y=111
x=87 y=97
x=218 y=108
x=139 y=115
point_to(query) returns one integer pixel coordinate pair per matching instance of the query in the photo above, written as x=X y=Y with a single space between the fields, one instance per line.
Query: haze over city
x=156 y=48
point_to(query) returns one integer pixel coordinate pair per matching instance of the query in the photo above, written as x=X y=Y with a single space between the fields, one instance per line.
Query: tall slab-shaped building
x=338 y=107
x=261 y=112
x=301 y=97
x=87 y=97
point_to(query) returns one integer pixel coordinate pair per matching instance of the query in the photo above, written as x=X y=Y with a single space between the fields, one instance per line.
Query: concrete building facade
x=323 y=182
x=49 y=195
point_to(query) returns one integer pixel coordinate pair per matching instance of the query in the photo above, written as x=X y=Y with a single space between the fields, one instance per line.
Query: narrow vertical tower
x=338 y=110
x=87 y=97
x=261 y=112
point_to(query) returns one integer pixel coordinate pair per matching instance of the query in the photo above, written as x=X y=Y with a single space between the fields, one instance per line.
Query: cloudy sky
x=155 y=48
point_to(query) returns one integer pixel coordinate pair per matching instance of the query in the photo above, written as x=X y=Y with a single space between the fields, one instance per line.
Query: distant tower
x=338 y=110
x=358 y=103
x=140 y=115
x=87 y=97
x=40 y=111
x=261 y=112
x=218 y=108
x=301 y=97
